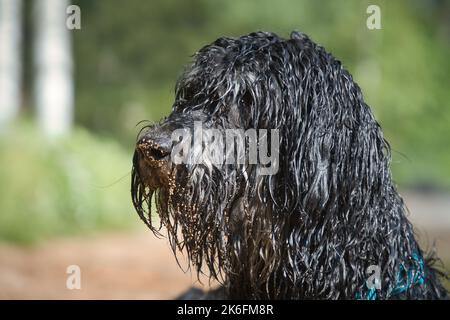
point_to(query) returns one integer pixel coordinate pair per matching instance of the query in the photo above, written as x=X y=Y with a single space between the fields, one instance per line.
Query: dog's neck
x=312 y=262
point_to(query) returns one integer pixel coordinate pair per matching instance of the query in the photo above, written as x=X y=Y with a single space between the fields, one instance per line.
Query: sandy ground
x=140 y=266
x=113 y=266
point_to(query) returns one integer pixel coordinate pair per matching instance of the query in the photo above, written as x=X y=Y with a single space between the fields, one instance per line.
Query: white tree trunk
x=10 y=60
x=53 y=85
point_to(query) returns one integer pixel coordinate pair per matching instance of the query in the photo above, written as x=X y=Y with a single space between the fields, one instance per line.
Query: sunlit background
x=71 y=99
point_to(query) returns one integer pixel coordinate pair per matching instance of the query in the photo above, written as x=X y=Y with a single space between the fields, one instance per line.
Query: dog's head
x=269 y=141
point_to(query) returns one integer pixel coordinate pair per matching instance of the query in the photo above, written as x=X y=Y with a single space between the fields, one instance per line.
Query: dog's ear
x=332 y=154
x=334 y=166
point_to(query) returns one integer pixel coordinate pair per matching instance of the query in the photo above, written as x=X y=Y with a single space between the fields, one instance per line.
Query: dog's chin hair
x=195 y=218
x=240 y=241
x=209 y=218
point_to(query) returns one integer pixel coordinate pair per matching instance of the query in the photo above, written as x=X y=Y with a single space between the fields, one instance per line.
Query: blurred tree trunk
x=53 y=83
x=10 y=60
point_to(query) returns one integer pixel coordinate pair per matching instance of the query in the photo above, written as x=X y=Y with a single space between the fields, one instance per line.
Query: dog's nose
x=154 y=148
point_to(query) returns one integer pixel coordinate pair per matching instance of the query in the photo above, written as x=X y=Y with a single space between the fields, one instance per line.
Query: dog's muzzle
x=154 y=150
x=152 y=159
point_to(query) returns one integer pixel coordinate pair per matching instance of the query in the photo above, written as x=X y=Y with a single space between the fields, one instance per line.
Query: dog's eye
x=188 y=94
x=246 y=99
x=245 y=108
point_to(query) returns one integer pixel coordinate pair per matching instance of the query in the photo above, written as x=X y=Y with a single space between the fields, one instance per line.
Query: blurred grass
x=78 y=184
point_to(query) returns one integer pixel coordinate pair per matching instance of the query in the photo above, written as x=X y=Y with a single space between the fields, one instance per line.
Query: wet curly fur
x=312 y=229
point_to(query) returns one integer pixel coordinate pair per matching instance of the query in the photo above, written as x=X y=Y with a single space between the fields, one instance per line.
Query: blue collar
x=406 y=278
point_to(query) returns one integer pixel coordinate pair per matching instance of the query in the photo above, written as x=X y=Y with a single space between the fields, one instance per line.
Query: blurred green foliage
x=129 y=54
x=79 y=184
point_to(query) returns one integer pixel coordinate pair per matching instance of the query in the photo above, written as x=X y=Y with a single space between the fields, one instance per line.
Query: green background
x=128 y=55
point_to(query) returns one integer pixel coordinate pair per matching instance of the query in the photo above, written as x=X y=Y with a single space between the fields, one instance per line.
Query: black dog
x=319 y=226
